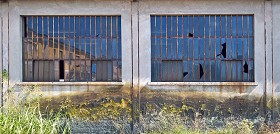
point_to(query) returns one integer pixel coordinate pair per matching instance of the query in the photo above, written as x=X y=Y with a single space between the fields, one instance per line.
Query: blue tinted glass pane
x=207 y=71
x=158 y=27
x=55 y=26
x=108 y=33
x=97 y=28
x=104 y=49
x=186 y=48
x=46 y=26
x=50 y=26
x=251 y=71
x=180 y=48
x=180 y=26
x=196 y=48
x=251 y=25
x=239 y=48
x=40 y=27
x=72 y=26
x=153 y=26
x=93 y=71
x=169 y=48
x=212 y=48
x=229 y=71
x=239 y=25
x=201 y=26
x=190 y=44
x=223 y=26
x=195 y=71
x=207 y=27
x=174 y=48
x=153 y=41
x=158 y=48
x=218 y=26
x=229 y=48
x=77 y=27
x=88 y=26
x=163 y=26
x=190 y=72
x=114 y=45
x=93 y=49
x=251 y=48
x=191 y=24
x=223 y=71
x=234 y=71
x=207 y=49
x=218 y=70
x=119 y=26
x=234 y=25
x=245 y=48
x=201 y=49
x=98 y=48
x=212 y=26
x=179 y=71
x=174 y=26
x=185 y=71
x=168 y=26
x=61 y=26
x=93 y=27
x=163 y=49
x=114 y=26
x=234 y=48
x=186 y=26
x=29 y=23
x=103 y=27
x=218 y=48
x=213 y=70
x=153 y=73
x=229 y=26
x=67 y=26
x=196 y=24
x=239 y=71
x=119 y=49
x=245 y=26
x=35 y=26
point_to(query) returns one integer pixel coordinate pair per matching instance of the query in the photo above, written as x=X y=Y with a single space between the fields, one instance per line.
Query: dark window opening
x=61 y=69
x=64 y=48
x=202 y=48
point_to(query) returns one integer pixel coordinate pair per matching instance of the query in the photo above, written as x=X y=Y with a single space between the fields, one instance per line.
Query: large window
x=202 y=48
x=72 y=48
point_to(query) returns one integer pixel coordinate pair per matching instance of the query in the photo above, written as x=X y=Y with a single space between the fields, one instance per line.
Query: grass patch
x=19 y=120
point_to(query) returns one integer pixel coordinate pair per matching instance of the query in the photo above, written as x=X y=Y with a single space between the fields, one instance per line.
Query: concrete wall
x=136 y=37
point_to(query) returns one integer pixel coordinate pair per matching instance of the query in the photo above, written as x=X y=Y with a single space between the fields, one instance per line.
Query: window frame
x=252 y=82
x=118 y=60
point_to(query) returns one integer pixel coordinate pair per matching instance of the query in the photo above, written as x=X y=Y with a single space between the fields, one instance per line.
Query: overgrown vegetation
x=24 y=113
x=21 y=120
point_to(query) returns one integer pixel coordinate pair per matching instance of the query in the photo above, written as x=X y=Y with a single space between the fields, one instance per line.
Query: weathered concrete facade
x=136 y=47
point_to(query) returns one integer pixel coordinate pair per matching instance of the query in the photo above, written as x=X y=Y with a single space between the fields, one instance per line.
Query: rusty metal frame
x=57 y=37
x=218 y=38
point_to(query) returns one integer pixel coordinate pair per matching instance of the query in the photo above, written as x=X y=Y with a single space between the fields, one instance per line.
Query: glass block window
x=202 y=48
x=72 y=48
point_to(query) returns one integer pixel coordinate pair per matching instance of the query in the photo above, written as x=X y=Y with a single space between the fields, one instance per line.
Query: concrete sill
x=71 y=83
x=202 y=84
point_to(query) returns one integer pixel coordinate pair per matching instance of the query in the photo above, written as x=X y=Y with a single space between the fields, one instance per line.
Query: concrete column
x=135 y=62
x=276 y=53
x=268 y=100
x=4 y=53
